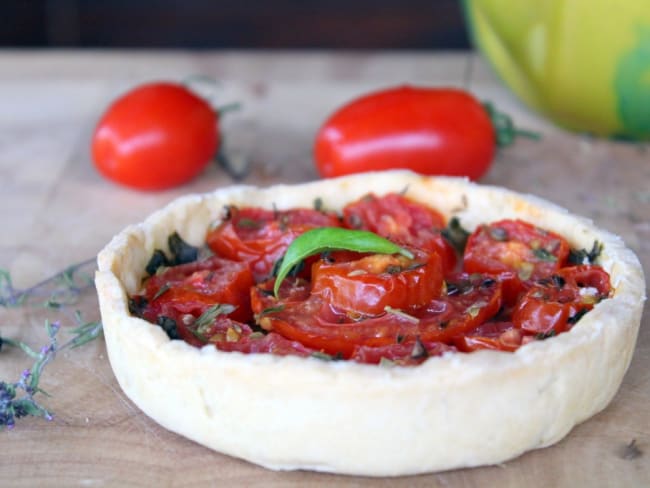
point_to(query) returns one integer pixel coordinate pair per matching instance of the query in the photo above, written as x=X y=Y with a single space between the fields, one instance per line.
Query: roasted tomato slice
x=220 y=329
x=554 y=304
x=271 y=343
x=499 y=336
x=405 y=353
x=517 y=252
x=192 y=288
x=371 y=283
x=260 y=237
x=401 y=220
x=321 y=326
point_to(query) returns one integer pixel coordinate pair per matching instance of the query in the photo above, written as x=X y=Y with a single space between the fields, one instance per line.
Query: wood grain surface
x=57 y=211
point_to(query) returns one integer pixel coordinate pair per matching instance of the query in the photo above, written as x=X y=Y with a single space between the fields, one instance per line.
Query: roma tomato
x=435 y=131
x=157 y=136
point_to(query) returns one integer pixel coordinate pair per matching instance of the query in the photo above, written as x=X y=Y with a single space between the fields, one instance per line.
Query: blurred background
x=279 y=24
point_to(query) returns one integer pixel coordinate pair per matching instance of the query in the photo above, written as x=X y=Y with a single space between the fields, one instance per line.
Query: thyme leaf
x=61 y=289
x=210 y=314
x=17 y=399
x=161 y=291
x=323 y=356
x=268 y=311
x=544 y=255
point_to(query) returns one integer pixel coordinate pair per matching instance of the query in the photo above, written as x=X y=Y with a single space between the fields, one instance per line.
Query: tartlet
x=287 y=412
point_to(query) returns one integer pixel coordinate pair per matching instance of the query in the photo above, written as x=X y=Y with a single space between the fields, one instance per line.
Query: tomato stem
x=504 y=129
x=229 y=107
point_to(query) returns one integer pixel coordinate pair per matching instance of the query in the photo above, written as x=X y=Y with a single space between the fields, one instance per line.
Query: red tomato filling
x=512 y=287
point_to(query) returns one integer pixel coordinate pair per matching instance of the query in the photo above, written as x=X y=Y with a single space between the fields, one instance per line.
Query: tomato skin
x=516 y=252
x=434 y=131
x=551 y=305
x=372 y=283
x=401 y=220
x=316 y=324
x=260 y=237
x=402 y=353
x=194 y=287
x=497 y=336
x=157 y=136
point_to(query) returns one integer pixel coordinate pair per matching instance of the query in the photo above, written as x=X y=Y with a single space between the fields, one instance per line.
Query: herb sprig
x=57 y=291
x=17 y=398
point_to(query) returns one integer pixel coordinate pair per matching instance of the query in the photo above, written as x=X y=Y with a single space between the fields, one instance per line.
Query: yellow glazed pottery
x=583 y=63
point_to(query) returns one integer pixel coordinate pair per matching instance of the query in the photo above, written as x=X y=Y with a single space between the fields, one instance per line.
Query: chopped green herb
x=137 y=305
x=399 y=313
x=543 y=255
x=181 y=251
x=577 y=316
x=157 y=260
x=206 y=319
x=558 y=281
x=245 y=223
x=227 y=212
x=322 y=356
x=545 y=335
x=268 y=311
x=498 y=233
x=169 y=326
x=582 y=256
x=161 y=291
x=488 y=282
x=456 y=235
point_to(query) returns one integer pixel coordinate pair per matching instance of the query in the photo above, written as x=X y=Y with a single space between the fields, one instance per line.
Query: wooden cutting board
x=61 y=212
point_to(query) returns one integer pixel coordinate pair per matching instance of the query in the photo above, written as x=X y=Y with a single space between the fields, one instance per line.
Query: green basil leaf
x=324 y=239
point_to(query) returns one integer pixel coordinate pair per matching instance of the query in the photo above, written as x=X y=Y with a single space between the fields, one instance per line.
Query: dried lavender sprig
x=69 y=284
x=11 y=407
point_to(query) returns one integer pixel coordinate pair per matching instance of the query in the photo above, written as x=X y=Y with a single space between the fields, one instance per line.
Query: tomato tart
x=373 y=324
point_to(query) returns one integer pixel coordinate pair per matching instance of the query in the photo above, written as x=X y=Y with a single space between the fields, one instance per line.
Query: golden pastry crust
x=344 y=417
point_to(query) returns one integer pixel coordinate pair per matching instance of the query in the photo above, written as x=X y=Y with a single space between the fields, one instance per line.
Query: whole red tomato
x=428 y=130
x=157 y=136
